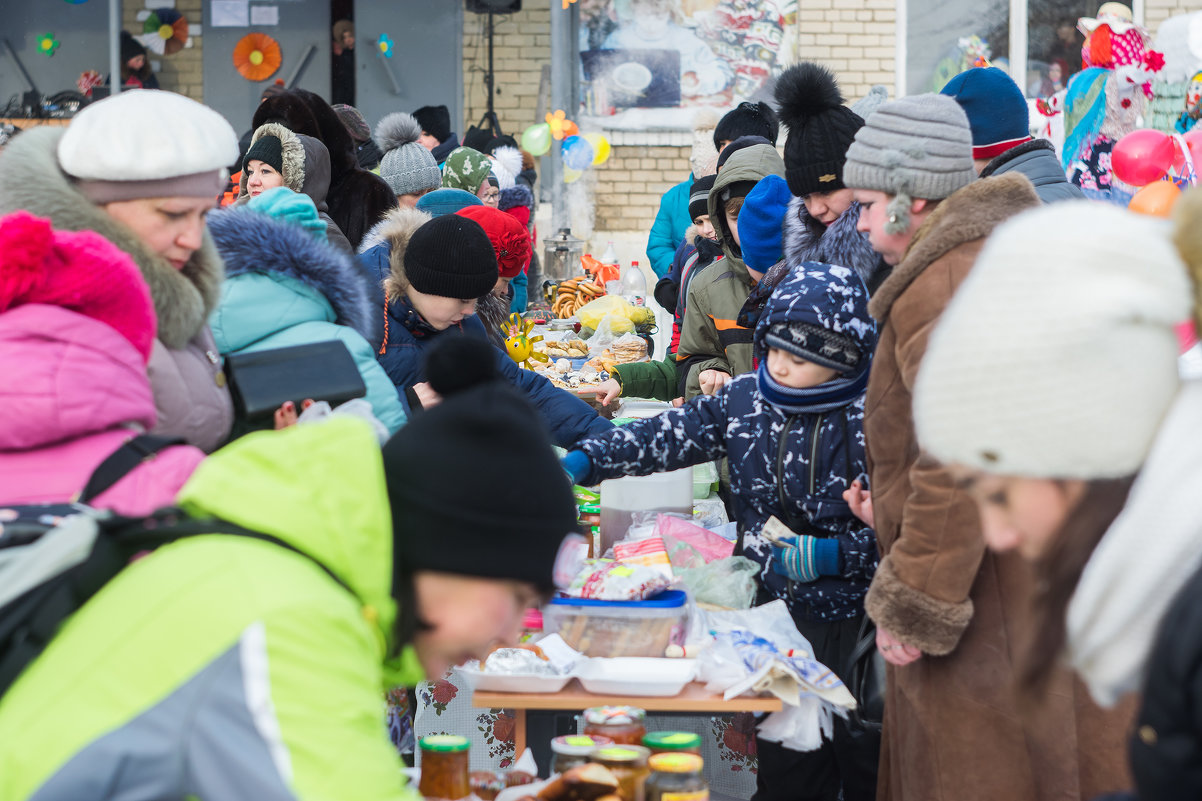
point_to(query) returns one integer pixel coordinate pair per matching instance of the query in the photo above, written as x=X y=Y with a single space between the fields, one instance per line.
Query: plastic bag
x=708 y=545
x=729 y=582
x=591 y=313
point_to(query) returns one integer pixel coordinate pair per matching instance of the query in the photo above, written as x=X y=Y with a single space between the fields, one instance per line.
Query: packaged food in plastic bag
x=591 y=313
x=728 y=583
x=607 y=580
x=649 y=552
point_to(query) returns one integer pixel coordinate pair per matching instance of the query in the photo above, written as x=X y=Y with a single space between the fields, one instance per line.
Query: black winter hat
x=821 y=128
x=267 y=149
x=451 y=256
x=747 y=119
x=476 y=138
x=435 y=120
x=699 y=196
x=501 y=140
x=486 y=528
x=130 y=47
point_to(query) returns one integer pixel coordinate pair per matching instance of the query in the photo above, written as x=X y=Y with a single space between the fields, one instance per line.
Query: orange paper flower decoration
x=257 y=56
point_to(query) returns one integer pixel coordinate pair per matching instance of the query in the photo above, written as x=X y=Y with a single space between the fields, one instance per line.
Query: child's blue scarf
x=826 y=397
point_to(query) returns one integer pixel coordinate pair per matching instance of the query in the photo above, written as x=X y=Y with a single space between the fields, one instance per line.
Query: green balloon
x=536 y=140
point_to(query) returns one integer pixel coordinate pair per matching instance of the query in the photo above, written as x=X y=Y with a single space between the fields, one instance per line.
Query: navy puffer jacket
x=794 y=466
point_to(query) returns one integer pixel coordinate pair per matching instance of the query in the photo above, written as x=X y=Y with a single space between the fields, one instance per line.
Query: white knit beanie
x=1057 y=356
x=147 y=143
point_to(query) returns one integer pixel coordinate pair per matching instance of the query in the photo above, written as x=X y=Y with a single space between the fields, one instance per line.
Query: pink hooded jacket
x=75 y=388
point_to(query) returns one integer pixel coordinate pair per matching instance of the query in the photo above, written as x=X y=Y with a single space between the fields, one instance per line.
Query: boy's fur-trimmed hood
x=31 y=179
x=251 y=242
x=396 y=229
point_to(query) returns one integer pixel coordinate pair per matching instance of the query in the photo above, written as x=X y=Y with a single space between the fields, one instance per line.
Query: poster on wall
x=650 y=64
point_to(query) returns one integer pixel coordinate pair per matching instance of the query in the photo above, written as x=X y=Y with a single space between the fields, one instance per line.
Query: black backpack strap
x=122 y=461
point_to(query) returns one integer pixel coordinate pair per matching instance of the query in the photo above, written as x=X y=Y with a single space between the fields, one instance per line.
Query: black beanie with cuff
x=267 y=149
x=451 y=256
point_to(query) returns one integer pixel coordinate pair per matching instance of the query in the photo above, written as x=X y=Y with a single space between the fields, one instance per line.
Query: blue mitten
x=577 y=465
x=807 y=558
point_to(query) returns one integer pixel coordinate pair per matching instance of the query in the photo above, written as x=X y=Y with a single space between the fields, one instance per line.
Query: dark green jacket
x=654 y=379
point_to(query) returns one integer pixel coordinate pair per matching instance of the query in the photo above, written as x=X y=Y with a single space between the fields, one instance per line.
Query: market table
x=694 y=699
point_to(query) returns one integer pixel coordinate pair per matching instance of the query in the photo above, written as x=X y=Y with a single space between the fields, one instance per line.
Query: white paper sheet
x=229 y=14
x=264 y=15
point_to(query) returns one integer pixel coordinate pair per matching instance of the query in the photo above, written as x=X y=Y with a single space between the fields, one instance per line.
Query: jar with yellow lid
x=624 y=725
x=445 y=767
x=673 y=742
x=628 y=763
x=676 y=777
x=574 y=749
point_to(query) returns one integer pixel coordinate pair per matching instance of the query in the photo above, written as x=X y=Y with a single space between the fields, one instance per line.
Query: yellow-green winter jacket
x=224 y=667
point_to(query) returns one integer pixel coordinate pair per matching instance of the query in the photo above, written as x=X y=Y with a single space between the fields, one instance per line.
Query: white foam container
x=633 y=675
x=514 y=682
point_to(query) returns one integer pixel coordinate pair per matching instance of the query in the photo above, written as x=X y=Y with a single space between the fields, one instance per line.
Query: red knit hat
x=76 y=270
x=508 y=236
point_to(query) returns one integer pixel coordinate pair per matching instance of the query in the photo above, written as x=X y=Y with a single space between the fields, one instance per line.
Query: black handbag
x=261 y=381
x=865 y=678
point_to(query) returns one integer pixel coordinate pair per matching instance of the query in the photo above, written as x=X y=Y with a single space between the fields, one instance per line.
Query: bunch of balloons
x=579 y=151
x=1160 y=164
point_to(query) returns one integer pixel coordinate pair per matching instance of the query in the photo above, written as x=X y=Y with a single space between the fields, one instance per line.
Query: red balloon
x=1142 y=156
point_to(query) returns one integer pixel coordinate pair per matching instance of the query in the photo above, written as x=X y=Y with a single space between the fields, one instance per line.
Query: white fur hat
x=147 y=143
x=1057 y=356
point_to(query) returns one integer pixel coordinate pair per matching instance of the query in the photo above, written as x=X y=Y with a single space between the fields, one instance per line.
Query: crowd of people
x=951 y=379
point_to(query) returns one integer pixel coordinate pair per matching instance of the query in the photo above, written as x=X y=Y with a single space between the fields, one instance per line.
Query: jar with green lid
x=673 y=742
x=628 y=763
x=574 y=749
x=445 y=767
x=676 y=777
x=625 y=725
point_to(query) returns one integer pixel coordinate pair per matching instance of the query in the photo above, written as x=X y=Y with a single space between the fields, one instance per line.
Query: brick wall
x=521 y=46
x=1157 y=11
x=182 y=72
x=855 y=38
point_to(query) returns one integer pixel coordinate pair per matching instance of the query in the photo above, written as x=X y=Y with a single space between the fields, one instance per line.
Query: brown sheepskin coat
x=952 y=728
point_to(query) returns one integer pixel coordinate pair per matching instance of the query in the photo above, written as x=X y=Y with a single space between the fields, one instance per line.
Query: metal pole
x=114 y=46
x=488 y=79
x=561 y=87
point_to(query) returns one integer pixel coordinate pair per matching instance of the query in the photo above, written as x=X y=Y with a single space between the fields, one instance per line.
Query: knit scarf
x=825 y=397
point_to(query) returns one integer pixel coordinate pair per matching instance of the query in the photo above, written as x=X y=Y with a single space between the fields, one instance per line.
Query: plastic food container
x=705 y=476
x=618 y=628
x=513 y=682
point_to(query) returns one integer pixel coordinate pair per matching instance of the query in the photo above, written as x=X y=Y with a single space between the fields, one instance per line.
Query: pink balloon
x=1142 y=156
x=1193 y=140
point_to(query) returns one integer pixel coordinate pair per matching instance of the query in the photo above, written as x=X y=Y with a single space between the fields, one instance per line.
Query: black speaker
x=493 y=6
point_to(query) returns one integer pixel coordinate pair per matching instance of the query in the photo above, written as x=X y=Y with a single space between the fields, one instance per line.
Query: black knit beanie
x=821 y=128
x=434 y=120
x=699 y=196
x=130 y=47
x=504 y=518
x=450 y=256
x=747 y=119
x=267 y=149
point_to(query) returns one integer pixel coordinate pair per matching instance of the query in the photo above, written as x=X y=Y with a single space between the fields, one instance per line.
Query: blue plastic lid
x=664 y=600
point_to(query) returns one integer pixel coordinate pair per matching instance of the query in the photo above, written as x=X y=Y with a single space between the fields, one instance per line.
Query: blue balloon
x=577 y=153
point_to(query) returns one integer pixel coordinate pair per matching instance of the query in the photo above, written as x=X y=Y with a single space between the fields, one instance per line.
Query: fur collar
x=396 y=229
x=516 y=195
x=251 y=242
x=969 y=214
x=31 y=179
x=806 y=239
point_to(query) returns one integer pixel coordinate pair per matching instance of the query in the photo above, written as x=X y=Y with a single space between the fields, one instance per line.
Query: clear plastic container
x=618 y=628
x=658 y=492
x=705 y=476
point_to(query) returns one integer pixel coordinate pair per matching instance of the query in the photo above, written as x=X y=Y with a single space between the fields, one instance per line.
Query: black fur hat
x=821 y=128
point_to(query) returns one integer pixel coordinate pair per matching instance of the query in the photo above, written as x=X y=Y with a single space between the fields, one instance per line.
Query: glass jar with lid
x=444 y=767
x=574 y=749
x=673 y=742
x=628 y=763
x=624 y=725
x=676 y=777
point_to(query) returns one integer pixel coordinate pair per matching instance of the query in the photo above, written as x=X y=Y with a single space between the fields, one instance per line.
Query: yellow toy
x=519 y=344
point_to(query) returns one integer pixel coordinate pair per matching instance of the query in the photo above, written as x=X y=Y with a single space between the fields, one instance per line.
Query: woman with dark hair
x=1063 y=418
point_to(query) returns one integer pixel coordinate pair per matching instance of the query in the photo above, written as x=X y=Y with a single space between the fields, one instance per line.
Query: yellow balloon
x=571 y=176
x=600 y=147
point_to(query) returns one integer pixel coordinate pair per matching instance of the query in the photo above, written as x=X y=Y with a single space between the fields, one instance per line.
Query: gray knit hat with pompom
x=914 y=147
x=407 y=166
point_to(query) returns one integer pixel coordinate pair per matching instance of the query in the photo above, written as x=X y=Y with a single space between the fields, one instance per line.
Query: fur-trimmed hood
x=396 y=229
x=806 y=239
x=306 y=167
x=292 y=156
x=516 y=195
x=254 y=243
x=968 y=214
x=31 y=179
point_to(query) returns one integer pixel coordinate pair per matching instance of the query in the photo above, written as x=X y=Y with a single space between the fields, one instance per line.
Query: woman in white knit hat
x=944 y=608
x=142 y=169
x=1049 y=384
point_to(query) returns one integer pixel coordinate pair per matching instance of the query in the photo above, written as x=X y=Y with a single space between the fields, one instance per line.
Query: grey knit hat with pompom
x=914 y=147
x=407 y=166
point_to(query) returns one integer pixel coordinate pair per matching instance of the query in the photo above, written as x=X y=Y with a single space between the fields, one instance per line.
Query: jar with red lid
x=624 y=725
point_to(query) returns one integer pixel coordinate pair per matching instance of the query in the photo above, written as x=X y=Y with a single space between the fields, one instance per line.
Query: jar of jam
x=622 y=724
x=673 y=742
x=628 y=763
x=676 y=777
x=445 y=767
x=574 y=750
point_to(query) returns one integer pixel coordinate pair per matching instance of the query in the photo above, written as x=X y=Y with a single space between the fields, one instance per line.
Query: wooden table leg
x=519 y=733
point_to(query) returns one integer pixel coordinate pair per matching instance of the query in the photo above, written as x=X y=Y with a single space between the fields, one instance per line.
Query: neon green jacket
x=222 y=667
